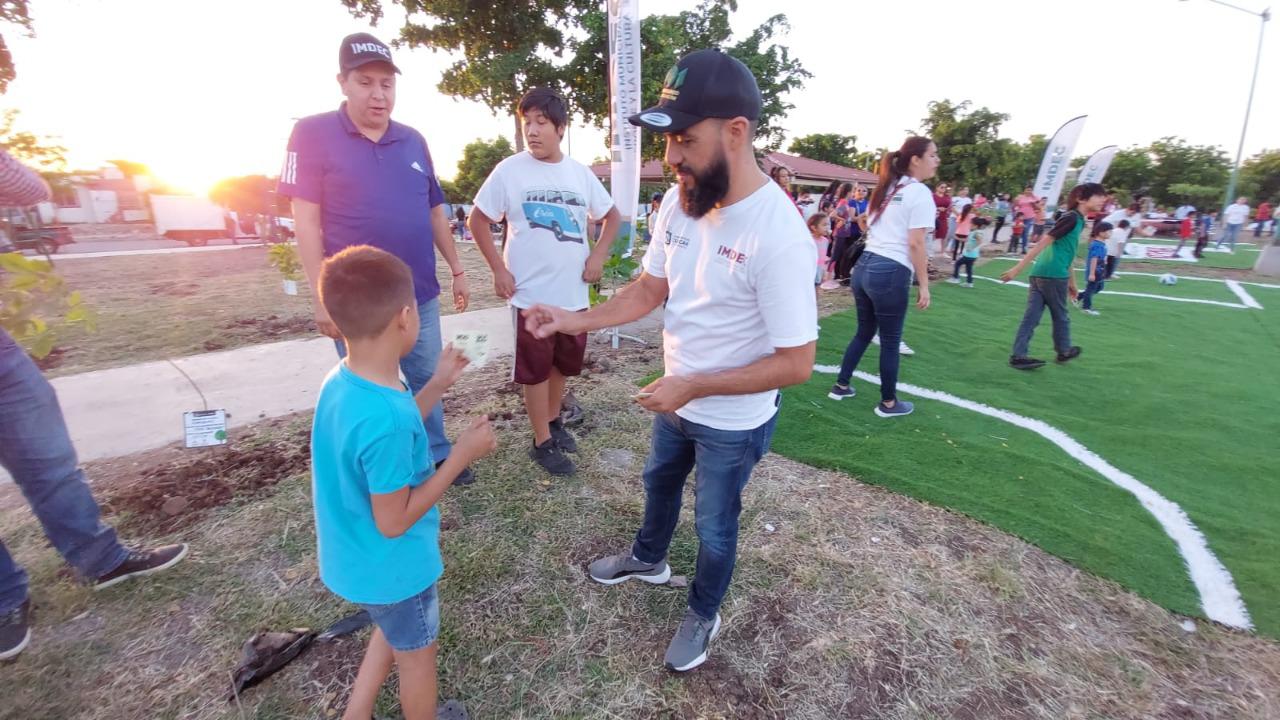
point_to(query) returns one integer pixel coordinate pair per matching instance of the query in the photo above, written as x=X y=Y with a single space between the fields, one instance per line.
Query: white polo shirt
x=740 y=284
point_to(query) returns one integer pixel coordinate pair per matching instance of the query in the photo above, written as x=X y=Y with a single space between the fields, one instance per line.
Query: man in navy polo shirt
x=356 y=177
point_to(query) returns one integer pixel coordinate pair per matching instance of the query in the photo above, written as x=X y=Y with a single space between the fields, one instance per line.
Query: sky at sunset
x=204 y=90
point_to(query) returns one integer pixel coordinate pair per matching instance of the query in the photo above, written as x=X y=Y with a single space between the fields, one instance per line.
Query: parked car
x=193 y=220
x=23 y=231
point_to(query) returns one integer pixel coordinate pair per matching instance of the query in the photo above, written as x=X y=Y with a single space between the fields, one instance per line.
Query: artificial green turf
x=1184 y=288
x=1182 y=396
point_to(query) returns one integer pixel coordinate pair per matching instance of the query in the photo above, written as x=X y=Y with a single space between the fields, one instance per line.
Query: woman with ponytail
x=900 y=213
x=1052 y=281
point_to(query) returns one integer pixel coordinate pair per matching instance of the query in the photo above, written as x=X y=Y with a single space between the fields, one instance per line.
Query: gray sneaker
x=689 y=648
x=614 y=569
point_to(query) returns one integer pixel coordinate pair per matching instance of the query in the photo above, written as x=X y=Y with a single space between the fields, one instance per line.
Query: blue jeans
x=725 y=459
x=1229 y=233
x=36 y=450
x=1044 y=293
x=1090 y=289
x=881 y=292
x=1027 y=228
x=418 y=367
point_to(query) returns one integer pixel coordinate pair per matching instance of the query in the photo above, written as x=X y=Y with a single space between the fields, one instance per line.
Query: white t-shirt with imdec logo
x=911 y=207
x=740 y=284
x=549 y=209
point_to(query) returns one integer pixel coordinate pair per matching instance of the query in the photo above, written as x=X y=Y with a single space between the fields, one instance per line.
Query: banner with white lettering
x=1057 y=159
x=624 y=101
x=1098 y=164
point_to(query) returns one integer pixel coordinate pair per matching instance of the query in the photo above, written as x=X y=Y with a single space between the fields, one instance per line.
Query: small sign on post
x=205 y=428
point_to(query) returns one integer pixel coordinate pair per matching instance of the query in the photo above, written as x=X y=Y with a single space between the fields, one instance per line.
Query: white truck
x=193 y=220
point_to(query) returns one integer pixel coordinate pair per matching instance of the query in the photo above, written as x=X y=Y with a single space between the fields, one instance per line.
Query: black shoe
x=1071 y=353
x=563 y=438
x=142 y=562
x=1025 y=363
x=15 y=630
x=840 y=392
x=552 y=459
x=466 y=477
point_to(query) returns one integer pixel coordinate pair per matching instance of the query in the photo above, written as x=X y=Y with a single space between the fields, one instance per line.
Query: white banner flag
x=624 y=101
x=1096 y=168
x=1057 y=159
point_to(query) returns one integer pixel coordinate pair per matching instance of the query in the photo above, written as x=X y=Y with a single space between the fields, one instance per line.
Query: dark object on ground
x=346 y=626
x=571 y=412
x=452 y=710
x=264 y=654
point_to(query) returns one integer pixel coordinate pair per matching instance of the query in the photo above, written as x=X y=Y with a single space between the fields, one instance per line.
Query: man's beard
x=709 y=187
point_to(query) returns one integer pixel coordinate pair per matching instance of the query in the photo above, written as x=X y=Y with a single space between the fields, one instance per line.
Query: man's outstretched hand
x=544 y=321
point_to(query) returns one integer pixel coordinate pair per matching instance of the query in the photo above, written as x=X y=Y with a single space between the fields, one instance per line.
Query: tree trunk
x=519 y=133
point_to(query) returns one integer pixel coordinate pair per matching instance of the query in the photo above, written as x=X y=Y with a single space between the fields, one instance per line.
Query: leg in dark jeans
x=1086 y=297
x=1055 y=294
x=968 y=268
x=1030 y=319
x=995 y=234
x=36 y=450
x=725 y=459
x=881 y=290
x=671 y=457
x=1112 y=262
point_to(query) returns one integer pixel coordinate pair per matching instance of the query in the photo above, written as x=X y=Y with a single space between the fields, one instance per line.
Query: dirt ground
x=848 y=601
x=152 y=307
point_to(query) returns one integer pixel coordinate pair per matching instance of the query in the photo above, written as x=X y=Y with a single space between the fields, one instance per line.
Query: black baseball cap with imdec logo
x=703 y=84
x=361 y=49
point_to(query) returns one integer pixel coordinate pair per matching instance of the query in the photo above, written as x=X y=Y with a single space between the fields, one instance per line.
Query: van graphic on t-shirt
x=563 y=212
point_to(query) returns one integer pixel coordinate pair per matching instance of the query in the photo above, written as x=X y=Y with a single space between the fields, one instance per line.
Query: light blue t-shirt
x=369 y=439
x=973 y=245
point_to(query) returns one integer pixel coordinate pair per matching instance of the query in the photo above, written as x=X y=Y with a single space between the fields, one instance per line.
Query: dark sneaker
x=902 y=407
x=688 y=649
x=552 y=459
x=1072 y=353
x=839 y=392
x=466 y=477
x=15 y=630
x=1025 y=363
x=563 y=438
x=614 y=569
x=142 y=562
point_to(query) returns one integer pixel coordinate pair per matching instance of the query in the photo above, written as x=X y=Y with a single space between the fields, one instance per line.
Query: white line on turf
x=1219 y=597
x=1243 y=294
x=1219 y=303
x=1271 y=286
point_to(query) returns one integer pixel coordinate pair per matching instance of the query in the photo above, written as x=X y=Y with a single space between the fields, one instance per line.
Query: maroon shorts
x=535 y=357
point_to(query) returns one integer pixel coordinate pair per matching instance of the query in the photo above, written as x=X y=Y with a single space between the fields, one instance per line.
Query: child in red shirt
x=1184 y=231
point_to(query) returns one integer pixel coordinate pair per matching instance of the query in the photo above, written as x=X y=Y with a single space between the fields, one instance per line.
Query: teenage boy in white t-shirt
x=550 y=203
x=736 y=262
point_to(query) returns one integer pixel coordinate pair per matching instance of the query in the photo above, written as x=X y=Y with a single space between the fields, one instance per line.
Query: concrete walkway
x=121 y=411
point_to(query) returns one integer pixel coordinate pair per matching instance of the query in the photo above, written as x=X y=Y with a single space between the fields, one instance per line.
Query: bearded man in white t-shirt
x=549 y=202
x=734 y=261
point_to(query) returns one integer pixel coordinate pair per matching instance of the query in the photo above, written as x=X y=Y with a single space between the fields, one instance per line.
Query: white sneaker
x=954 y=281
x=1092 y=312
x=904 y=349
x=968 y=284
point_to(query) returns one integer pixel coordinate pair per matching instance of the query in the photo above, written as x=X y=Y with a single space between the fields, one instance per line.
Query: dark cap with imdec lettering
x=703 y=84
x=361 y=49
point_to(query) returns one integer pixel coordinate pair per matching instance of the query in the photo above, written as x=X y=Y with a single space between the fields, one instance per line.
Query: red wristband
x=460 y=273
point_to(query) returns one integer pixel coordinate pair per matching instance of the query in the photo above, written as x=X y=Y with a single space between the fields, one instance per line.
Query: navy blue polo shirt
x=378 y=194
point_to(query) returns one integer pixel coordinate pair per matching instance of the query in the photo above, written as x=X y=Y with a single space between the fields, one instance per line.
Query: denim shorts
x=410 y=624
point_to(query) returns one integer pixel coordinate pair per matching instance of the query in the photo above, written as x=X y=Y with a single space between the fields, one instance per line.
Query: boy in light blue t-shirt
x=374 y=483
x=972 y=250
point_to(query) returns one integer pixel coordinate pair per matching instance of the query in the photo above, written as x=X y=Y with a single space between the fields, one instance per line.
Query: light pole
x=1263 y=16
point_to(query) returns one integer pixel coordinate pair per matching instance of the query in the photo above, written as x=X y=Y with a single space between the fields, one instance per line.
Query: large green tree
x=1130 y=173
x=828 y=147
x=1260 y=177
x=501 y=47
x=1175 y=162
x=479 y=158
x=969 y=143
x=664 y=39
x=40 y=152
x=507 y=46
